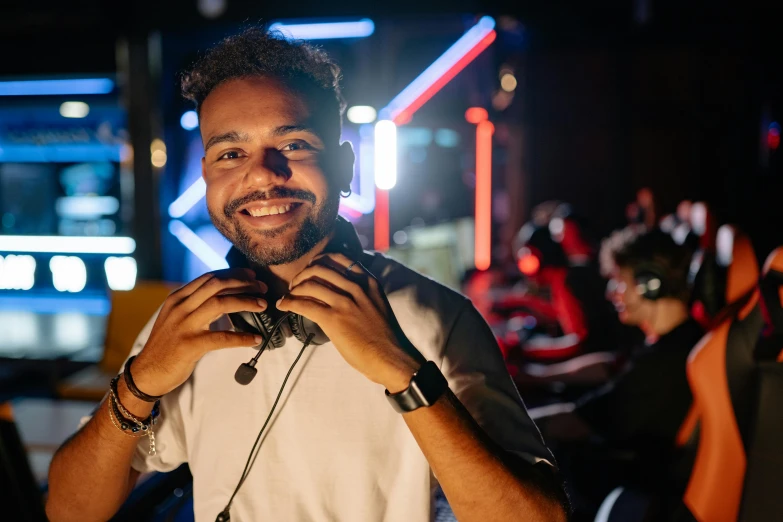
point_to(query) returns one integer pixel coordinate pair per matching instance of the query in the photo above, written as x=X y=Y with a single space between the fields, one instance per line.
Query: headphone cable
x=225 y=516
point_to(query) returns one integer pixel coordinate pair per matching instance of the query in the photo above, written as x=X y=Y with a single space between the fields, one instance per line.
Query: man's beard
x=259 y=247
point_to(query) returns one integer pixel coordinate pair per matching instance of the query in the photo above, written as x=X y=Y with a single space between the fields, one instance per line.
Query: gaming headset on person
x=304 y=330
x=650 y=281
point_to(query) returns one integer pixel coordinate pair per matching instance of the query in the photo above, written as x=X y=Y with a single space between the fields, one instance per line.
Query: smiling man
x=410 y=386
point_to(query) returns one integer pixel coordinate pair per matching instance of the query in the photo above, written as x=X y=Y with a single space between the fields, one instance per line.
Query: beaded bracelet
x=126 y=421
x=132 y=385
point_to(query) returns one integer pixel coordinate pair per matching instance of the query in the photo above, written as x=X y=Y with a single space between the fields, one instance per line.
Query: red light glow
x=381 y=217
x=483 y=232
x=773 y=138
x=528 y=264
x=405 y=115
x=476 y=115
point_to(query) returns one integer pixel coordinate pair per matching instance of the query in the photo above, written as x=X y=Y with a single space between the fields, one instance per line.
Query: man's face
x=626 y=300
x=267 y=189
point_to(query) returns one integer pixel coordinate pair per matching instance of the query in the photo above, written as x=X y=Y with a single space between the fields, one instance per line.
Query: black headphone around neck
x=261 y=323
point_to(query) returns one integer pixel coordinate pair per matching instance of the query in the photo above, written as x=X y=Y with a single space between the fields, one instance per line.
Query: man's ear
x=204 y=169
x=345 y=160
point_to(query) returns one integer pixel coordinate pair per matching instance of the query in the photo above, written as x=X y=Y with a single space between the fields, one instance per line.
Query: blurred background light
x=69 y=274
x=483 y=231
x=74 y=109
x=59 y=153
x=385 y=154
x=773 y=136
x=158 y=155
x=400 y=237
x=361 y=114
x=198 y=246
x=189 y=120
x=476 y=115
x=508 y=82
x=414 y=137
x=212 y=8
x=86 y=206
x=447 y=138
x=192 y=195
x=56 y=87
x=320 y=31
x=528 y=264
x=68 y=244
x=17 y=272
x=442 y=70
x=120 y=272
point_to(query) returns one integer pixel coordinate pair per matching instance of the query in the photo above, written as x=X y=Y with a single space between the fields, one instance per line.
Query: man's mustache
x=275 y=193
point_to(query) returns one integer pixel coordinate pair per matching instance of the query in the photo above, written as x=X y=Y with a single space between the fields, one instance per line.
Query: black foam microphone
x=246 y=372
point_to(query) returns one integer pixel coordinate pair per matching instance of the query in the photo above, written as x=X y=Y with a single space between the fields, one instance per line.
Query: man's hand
x=181 y=336
x=351 y=308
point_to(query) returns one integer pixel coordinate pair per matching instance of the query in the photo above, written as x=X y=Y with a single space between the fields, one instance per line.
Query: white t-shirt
x=335 y=450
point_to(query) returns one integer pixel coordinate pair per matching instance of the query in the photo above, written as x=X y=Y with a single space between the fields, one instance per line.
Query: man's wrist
x=137 y=407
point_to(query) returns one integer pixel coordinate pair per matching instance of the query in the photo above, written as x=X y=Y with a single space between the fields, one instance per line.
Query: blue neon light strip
x=198 y=246
x=321 y=31
x=192 y=195
x=56 y=87
x=47 y=304
x=438 y=68
x=59 y=153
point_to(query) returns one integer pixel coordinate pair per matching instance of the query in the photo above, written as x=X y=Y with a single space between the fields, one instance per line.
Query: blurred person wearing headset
x=643 y=407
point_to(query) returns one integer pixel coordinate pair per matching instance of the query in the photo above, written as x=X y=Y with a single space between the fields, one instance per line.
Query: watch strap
x=425 y=388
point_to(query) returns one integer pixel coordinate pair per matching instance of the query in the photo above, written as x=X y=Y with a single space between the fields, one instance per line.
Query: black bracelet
x=122 y=418
x=132 y=385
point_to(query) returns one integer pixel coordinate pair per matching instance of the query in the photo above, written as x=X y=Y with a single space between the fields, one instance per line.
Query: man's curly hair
x=257 y=52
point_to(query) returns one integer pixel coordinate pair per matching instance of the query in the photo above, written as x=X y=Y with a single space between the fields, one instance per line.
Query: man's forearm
x=91 y=475
x=481 y=481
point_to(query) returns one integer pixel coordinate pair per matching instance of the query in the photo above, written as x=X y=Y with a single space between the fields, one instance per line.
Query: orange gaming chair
x=721 y=375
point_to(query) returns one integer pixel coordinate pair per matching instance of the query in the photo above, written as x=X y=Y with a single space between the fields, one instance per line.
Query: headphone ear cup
x=302 y=328
x=649 y=285
x=262 y=319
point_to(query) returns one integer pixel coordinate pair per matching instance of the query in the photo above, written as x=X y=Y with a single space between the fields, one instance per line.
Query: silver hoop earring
x=345 y=193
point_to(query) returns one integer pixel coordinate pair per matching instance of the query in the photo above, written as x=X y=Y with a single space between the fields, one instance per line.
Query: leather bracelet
x=132 y=385
x=125 y=417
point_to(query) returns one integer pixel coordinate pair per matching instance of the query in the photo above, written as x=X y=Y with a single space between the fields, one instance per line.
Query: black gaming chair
x=762 y=500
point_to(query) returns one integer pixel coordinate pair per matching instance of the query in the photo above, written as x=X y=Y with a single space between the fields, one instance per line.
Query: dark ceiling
x=43 y=36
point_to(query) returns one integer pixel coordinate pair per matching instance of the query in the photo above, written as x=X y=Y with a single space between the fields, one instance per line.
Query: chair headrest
x=734 y=251
x=772 y=288
x=703 y=224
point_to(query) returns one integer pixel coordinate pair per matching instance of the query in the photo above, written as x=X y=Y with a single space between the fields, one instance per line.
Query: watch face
x=429 y=383
x=426 y=387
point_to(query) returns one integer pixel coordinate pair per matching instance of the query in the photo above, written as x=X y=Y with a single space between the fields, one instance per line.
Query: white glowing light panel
x=17 y=272
x=385 y=154
x=69 y=274
x=68 y=244
x=120 y=272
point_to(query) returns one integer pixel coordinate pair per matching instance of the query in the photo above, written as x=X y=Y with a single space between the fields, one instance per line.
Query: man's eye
x=297 y=145
x=232 y=154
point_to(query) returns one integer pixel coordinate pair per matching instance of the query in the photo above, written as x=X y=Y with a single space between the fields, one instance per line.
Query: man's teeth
x=269 y=211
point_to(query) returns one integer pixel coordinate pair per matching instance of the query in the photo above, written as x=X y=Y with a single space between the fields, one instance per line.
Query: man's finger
x=218 y=305
x=187 y=290
x=221 y=283
x=341 y=261
x=225 y=339
x=324 y=293
x=330 y=276
x=304 y=306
